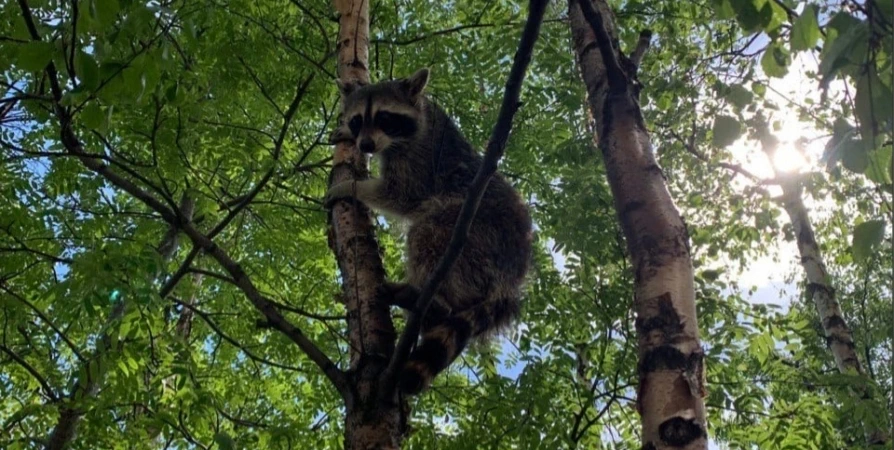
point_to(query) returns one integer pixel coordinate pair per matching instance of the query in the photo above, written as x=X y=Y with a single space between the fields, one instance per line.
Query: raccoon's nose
x=367 y=145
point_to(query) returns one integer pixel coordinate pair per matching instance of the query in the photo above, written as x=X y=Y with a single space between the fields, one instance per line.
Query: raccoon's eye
x=395 y=125
x=355 y=124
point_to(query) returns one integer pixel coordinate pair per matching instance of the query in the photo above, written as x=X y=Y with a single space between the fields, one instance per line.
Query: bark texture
x=819 y=288
x=671 y=359
x=369 y=424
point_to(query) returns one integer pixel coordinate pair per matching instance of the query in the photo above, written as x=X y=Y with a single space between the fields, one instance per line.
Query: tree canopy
x=221 y=110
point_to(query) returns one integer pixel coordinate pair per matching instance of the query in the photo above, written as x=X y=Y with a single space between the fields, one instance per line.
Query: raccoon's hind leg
x=405 y=296
x=399 y=294
x=444 y=339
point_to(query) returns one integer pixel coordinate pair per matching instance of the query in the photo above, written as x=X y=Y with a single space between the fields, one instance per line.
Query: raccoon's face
x=386 y=113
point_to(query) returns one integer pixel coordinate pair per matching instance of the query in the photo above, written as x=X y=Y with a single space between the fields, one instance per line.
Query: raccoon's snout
x=367 y=145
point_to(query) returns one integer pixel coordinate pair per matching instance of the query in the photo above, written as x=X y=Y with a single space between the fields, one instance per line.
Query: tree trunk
x=671 y=359
x=369 y=423
x=820 y=290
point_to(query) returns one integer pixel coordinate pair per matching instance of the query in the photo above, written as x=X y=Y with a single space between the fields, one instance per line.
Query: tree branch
x=45 y=319
x=495 y=147
x=207 y=319
x=283 y=306
x=277 y=150
x=728 y=166
x=273 y=316
x=34 y=373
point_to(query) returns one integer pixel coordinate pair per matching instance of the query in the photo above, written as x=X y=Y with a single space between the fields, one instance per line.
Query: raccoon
x=427 y=167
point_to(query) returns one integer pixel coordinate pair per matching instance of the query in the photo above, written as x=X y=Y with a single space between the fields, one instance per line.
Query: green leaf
x=723 y=9
x=841 y=51
x=85 y=18
x=105 y=11
x=92 y=116
x=34 y=56
x=852 y=152
x=771 y=17
x=866 y=236
x=739 y=96
x=748 y=14
x=775 y=61
x=726 y=130
x=878 y=168
x=113 y=90
x=805 y=30
x=891 y=168
x=171 y=93
x=224 y=441
x=873 y=105
x=664 y=102
x=135 y=82
x=887 y=10
x=87 y=70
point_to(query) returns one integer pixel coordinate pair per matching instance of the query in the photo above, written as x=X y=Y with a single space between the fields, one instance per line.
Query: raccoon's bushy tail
x=445 y=339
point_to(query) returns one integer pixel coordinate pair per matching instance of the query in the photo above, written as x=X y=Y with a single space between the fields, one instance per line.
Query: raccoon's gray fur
x=427 y=167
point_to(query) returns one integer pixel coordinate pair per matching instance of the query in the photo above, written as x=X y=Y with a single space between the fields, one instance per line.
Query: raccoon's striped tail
x=444 y=340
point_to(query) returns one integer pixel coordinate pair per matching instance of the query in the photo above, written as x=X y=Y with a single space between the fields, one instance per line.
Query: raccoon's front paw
x=340 y=191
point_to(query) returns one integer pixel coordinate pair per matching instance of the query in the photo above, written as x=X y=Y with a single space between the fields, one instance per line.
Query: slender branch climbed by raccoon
x=495 y=149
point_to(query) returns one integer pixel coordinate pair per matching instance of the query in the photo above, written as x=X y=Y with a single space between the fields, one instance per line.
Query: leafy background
x=187 y=99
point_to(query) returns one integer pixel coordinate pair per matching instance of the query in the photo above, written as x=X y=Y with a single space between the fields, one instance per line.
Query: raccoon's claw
x=340 y=135
x=338 y=192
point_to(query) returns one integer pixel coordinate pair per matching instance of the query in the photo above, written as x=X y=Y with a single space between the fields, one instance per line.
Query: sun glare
x=787 y=159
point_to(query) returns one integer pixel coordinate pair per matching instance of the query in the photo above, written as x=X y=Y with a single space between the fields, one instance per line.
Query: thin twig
x=271 y=314
x=34 y=373
x=45 y=319
x=211 y=324
x=277 y=150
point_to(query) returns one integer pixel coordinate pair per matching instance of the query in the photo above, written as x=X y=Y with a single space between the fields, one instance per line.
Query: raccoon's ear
x=345 y=87
x=415 y=84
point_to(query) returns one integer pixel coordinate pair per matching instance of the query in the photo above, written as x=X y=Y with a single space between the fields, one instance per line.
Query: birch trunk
x=820 y=290
x=671 y=359
x=369 y=423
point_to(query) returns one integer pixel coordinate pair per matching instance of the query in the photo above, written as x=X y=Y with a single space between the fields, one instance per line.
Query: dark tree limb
x=248 y=353
x=270 y=312
x=48 y=391
x=46 y=320
x=496 y=146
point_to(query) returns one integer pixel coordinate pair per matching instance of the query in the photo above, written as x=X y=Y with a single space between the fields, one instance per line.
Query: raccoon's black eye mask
x=355 y=124
x=395 y=125
x=392 y=124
